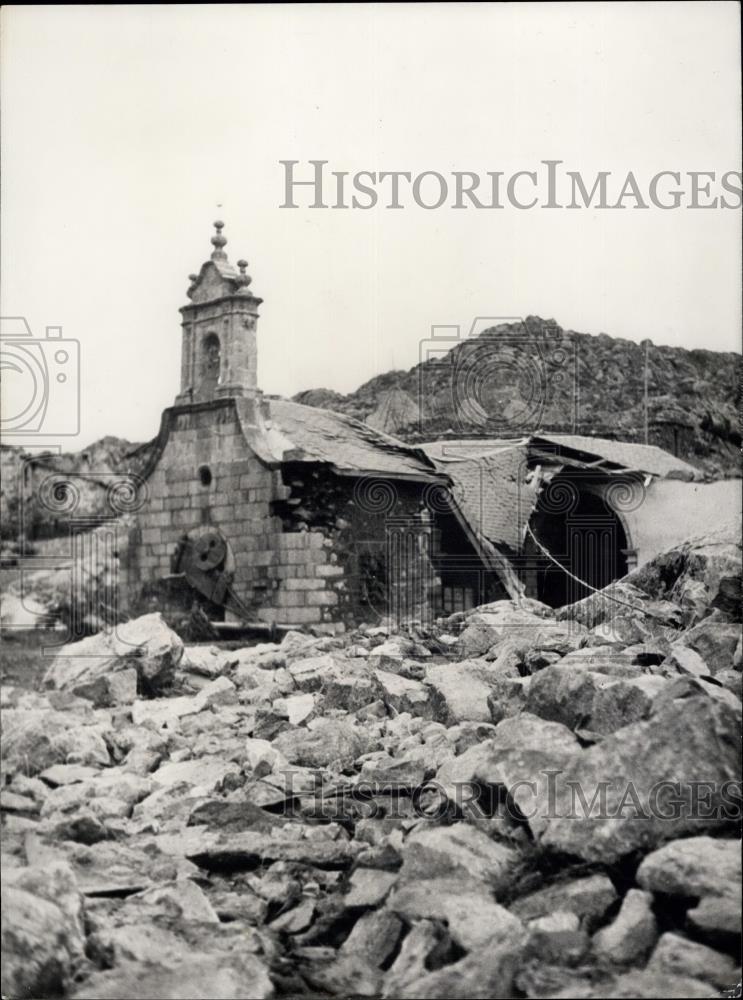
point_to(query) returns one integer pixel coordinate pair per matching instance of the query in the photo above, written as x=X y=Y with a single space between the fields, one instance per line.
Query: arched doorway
x=575 y=522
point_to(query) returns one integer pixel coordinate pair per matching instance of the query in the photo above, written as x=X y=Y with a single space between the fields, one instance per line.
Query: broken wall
x=377 y=546
x=309 y=546
x=671 y=511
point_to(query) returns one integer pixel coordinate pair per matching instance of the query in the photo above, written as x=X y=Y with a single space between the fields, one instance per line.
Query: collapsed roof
x=647 y=458
x=308 y=434
x=279 y=431
x=496 y=484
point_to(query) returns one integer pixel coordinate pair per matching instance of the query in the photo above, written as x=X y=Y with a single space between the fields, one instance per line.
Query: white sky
x=125 y=127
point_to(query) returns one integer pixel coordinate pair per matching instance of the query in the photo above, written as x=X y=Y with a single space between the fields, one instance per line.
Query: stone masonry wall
x=236 y=502
x=307 y=547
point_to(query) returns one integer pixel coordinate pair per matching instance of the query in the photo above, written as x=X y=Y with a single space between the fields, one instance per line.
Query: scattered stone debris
x=510 y=804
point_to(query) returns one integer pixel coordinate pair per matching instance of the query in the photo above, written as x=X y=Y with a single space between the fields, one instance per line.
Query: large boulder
x=634 y=790
x=716 y=920
x=715 y=641
x=589 y=898
x=373 y=939
x=33 y=739
x=227 y=975
x=529 y=732
x=310 y=673
x=630 y=937
x=617 y=660
x=110 y=793
x=693 y=867
x=507 y=696
x=592 y=701
x=682 y=659
x=396 y=773
x=205 y=661
x=677 y=955
x=250 y=848
x=295 y=645
x=521 y=776
x=482 y=974
x=405 y=695
x=112 y=868
x=531 y=625
x=459 y=692
x=713 y=559
x=474 y=918
x=146 y=644
x=624 y=702
x=165 y=713
x=560 y=694
x=43 y=933
x=349 y=687
x=206 y=773
x=624 y=612
x=432 y=852
x=399 y=656
x=326 y=743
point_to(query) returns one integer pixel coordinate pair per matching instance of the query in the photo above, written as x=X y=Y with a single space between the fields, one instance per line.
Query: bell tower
x=219 y=351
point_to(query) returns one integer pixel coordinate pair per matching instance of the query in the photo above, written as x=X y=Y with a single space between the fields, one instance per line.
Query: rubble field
x=514 y=802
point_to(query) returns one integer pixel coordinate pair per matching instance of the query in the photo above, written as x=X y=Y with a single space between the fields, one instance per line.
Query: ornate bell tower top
x=219 y=352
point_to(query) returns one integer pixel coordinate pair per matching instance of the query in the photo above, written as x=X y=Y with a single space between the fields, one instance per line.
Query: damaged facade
x=572 y=513
x=264 y=510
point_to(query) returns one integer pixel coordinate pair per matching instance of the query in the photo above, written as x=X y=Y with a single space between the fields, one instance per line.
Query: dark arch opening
x=211 y=362
x=573 y=522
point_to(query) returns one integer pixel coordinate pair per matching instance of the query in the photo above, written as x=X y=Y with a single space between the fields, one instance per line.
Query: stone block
x=299 y=616
x=184 y=518
x=327 y=570
x=322 y=598
x=302 y=583
x=290 y=598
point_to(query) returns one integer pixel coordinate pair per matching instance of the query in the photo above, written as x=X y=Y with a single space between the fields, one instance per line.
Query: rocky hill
x=517 y=378
x=90 y=469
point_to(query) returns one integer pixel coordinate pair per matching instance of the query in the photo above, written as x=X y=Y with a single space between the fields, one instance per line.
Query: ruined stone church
x=261 y=510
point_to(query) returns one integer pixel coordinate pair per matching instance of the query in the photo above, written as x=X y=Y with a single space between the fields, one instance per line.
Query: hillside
x=513 y=379
x=92 y=469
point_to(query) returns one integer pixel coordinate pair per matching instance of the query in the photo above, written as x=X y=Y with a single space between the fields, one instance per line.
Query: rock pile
x=517 y=803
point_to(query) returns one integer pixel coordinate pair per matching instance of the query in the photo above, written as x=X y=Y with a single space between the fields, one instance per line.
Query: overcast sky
x=127 y=130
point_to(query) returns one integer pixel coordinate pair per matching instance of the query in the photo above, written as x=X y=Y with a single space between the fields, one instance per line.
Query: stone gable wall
x=236 y=502
x=308 y=546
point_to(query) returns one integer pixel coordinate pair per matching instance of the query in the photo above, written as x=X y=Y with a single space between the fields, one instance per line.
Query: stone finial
x=244 y=279
x=219 y=242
